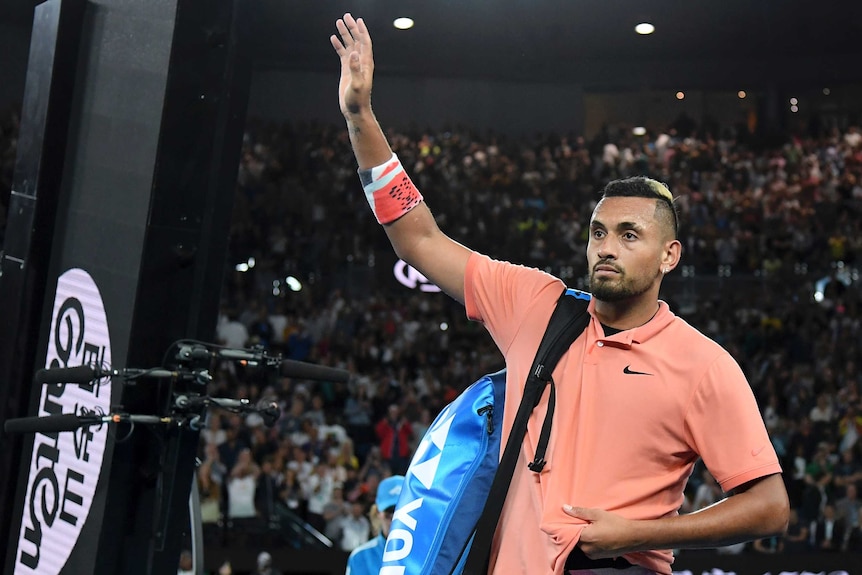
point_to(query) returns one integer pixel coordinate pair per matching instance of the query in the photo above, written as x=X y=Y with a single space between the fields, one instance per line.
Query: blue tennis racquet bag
x=447 y=483
x=456 y=483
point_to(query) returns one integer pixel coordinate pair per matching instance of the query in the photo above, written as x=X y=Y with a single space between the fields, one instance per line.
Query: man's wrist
x=358 y=113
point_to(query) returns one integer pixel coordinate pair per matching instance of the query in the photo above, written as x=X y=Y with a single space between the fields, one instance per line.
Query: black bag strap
x=567 y=322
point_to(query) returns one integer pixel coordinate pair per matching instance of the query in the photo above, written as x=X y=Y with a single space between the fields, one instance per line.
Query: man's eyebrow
x=620 y=226
x=630 y=226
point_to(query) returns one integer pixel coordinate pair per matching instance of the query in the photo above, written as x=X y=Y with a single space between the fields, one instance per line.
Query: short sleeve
x=502 y=295
x=726 y=429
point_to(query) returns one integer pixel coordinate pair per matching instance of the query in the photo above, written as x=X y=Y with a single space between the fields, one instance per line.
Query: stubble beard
x=618 y=289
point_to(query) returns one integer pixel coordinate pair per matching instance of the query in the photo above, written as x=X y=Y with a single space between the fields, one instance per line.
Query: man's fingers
x=336 y=43
x=364 y=36
x=581 y=512
x=344 y=30
x=354 y=35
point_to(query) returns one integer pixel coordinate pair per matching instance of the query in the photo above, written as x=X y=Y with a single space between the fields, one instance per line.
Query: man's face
x=186 y=563
x=386 y=521
x=625 y=250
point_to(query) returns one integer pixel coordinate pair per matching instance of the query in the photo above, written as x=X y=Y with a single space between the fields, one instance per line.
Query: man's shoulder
x=483 y=264
x=696 y=342
x=498 y=292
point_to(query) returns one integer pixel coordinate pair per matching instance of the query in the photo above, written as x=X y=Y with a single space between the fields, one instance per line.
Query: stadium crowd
x=787 y=215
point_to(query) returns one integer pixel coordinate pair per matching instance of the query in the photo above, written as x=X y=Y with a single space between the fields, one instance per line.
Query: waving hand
x=353 y=46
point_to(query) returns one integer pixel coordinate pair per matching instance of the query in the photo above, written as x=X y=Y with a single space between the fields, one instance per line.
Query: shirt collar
x=640 y=334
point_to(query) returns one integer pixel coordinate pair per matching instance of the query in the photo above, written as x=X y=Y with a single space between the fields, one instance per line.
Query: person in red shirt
x=396 y=435
x=640 y=396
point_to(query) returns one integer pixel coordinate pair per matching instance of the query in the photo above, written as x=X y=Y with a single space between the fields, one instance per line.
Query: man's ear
x=671 y=256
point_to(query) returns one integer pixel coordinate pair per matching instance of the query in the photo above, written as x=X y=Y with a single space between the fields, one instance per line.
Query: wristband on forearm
x=389 y=190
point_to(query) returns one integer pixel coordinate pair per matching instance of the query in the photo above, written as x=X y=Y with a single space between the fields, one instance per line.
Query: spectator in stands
x=357 y=419
x=291 y=422
x=232 y=446
x=334 y=512
x=214 y=433
x=212 y=475
x=352 y=529
x=708 y=493
x=818 y=473
x=264 y=565
x=318 y=488
x=847 y=508
x=396 y=436
x=186 y=565
x=796 y=539
x=269 y=489
x=829 y=530
x=847 y=472
x=367 y=559
x=850 y=424
x=292 y=493
x=232 y=332
x=241 y=487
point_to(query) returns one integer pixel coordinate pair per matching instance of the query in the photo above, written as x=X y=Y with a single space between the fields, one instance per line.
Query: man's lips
x=605 y=269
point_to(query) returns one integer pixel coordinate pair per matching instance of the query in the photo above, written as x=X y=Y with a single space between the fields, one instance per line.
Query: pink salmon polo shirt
x=634 y=412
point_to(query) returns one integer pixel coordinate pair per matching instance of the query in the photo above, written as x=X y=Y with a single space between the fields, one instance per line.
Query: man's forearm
x=759 y=512
x=408 y=221
x=369 y=144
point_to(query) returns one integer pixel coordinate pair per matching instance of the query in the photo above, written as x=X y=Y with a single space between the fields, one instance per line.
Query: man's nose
x=606 y=251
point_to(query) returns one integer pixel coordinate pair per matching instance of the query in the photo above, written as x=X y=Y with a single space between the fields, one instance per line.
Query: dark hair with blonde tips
x=641 y=187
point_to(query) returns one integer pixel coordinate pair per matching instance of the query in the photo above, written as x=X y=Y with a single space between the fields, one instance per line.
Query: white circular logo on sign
x=65 y=466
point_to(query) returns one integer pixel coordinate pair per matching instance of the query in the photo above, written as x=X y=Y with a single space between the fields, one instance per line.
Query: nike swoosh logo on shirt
x=628 y=371
x=756 y=452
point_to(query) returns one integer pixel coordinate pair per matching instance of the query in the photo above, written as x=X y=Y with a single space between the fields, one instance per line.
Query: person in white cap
x=367 y=558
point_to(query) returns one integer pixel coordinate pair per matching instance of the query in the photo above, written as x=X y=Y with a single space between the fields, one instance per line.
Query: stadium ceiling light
x=403 y=23
x=680 y=95
x=741 y=94
x=639 y=131
x=293 y=283
x=644 y=28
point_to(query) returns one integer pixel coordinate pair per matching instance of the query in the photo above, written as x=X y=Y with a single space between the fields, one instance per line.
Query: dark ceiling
x=581 y=40
x=589 y=41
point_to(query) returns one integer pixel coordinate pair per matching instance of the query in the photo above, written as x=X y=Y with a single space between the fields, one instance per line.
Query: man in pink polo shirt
x=641 y=395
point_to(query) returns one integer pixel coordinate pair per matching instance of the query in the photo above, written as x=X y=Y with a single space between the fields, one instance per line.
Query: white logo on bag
x=397 y=552
x=427 y=470
x=399 y=543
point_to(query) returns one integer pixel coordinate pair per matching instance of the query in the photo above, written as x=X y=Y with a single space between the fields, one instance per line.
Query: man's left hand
x=605 y=535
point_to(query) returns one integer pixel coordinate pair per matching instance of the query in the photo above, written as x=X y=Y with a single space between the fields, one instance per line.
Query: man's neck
x=626 y=314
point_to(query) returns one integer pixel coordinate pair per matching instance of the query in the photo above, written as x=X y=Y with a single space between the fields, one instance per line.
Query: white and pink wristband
x=389 y=190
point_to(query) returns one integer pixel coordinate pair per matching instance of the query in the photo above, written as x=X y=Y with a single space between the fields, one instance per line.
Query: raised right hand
x=353 y=46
